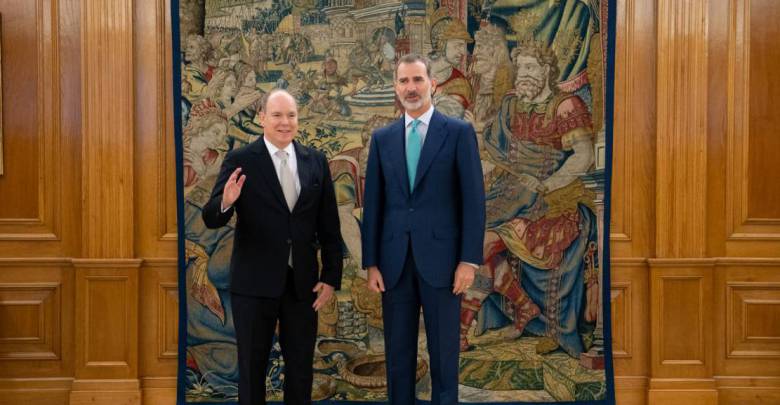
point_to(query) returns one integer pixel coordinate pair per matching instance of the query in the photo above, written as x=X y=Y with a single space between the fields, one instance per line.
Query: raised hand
x=233 y=188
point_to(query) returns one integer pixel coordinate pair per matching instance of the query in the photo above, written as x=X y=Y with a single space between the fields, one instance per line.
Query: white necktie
x=287 y=180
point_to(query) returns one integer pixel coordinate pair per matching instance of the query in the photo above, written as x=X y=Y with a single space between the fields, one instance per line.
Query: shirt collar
x=272 y=149
x=425 y=118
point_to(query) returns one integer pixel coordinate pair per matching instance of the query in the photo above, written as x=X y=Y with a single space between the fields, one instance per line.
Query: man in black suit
x=283 y=195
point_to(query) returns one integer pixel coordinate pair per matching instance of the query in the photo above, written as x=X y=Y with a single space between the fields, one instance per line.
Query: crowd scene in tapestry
x=527 y=74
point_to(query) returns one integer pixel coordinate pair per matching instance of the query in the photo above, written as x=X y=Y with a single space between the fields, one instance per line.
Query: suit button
x=289 y=241
x=411 y=209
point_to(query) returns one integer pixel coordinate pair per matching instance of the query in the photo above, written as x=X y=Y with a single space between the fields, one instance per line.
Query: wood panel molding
x=748 y=390
x=107 y=128
x=628 y=261
x=97 y=391
x=681 y=188
x=34 y=310
x=691 y=391
x=48 y=391
x=107 y=316
x=630 y=279
x=681 y=296
x=622 y=322
x=158 y=390
x=168 y=321
x=45 y=222
x=740 y=225
x=753 y=320
x=159 y=306
x=622 y=195
x=155 y=161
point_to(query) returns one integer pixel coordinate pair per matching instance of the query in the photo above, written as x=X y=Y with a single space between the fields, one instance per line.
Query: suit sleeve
x=373 y=198
x=472 y=190
x=212 y=214
x=329 y=231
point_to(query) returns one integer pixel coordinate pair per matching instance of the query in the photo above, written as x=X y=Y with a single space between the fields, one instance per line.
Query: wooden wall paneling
x=106 y=367
x=717 y=99
x=156 y=181
x=40 y=134
x=752 y=197
x=43 y=391
x=633 y=185
x=106 y=364
x=159 y=299
x=753 y=320
x=747 y=325
x=107 y=127
x=681 y=323
x=633 y=196
x=748 y=390
x=631 y=337
x=155 y=163
x=681 y=275
x=36 y=311
x=681 y=192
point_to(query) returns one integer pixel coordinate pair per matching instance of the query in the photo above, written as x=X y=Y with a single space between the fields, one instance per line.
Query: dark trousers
x=255 y=320
x=401 y=315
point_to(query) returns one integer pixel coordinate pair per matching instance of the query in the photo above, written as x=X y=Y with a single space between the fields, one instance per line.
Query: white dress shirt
x=292 y=162
x=422 y=127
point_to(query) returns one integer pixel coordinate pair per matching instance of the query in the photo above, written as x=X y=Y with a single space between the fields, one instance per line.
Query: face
x=531 y=76
x=229 y=89
x=455 y=51
x=250 y=80
x=192 y=51
x=482 y=57
x=280 y=119
x=330 y=67
x=414 y=87
x=205 y=144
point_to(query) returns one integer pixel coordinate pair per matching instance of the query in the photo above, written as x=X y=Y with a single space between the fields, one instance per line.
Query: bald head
x=275 y=92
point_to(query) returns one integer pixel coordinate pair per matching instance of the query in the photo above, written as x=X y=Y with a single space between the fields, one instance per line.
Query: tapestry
x=534 y=78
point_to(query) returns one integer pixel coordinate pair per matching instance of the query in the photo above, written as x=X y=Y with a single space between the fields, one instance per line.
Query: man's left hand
x=464 y=277
x=324 y=293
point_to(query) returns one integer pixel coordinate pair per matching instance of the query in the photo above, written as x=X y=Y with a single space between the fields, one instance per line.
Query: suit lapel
x=305 y=167
x=268 y=172
x=398 y=153
x=434 y=139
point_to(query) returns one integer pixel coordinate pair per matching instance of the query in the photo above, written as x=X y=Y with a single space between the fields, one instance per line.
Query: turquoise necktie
x=413 y=148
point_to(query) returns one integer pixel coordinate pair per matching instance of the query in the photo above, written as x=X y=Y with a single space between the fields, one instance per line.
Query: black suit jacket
x=266 y=229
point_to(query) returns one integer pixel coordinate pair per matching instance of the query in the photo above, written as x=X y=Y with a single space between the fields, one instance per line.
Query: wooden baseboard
x=35 y=391
x=115 y=392
x=688 y=391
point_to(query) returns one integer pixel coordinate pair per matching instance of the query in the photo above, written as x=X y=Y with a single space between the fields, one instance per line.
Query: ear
x=433 y=85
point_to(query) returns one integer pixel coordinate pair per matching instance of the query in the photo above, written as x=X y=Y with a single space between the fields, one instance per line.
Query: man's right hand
x=375 y=282
x=233 y=188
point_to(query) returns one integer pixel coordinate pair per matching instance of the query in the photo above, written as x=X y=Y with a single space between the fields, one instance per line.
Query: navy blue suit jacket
x=445 y=214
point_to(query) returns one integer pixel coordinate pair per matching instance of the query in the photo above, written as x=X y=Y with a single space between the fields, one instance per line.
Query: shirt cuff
x=476 y=266
x=224 y=209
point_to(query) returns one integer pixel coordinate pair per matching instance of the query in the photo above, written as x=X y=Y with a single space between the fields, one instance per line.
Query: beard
x=422 y=99
x=528 y=87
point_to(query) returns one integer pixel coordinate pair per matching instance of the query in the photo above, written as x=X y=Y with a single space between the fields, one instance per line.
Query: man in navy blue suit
x=423 y=229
